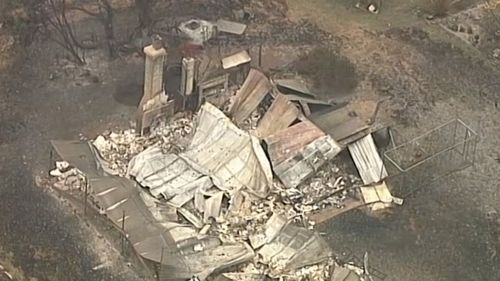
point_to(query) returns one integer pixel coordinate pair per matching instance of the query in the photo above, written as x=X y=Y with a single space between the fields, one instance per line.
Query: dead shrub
x=331 y=73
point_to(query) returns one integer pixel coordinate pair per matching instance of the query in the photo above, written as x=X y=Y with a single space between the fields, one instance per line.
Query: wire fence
x=446 y=149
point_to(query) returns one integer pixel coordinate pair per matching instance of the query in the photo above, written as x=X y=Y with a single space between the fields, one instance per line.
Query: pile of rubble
x=119 y=147
x=232 y=190
x=67 y=177
x=328 y=187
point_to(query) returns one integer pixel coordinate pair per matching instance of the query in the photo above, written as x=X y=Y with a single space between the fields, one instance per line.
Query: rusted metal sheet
x=341 y=124
x=306 y=161
x=288 y=142
x=251 y=93
x=367 y=159
x=236 y=60
x=233 y=158
x=279 y=116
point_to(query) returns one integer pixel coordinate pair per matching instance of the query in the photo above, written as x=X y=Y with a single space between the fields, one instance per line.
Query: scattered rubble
x=226 y=191
x=119 y=147
x=199 y=31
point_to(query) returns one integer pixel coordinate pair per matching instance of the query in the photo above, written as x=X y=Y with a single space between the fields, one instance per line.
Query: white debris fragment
x=62 y=165
x=198 y=248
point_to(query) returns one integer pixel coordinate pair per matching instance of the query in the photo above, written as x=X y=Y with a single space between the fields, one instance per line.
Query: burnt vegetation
x=330 y=72
x=55 y=20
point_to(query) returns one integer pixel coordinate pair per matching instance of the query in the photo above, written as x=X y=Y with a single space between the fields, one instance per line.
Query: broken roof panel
x=251 y=93
x=294 y=247
x=287 y=142
x=203 y=257
x=230 y=156
x=236 y=59
x=298 y=151
x=341 y=124
x=306 y=161
x=296 y=84
x=341 y=273
x=118 y=197
x=82 y=155
x=164 y=174
x=230 y=27
x=279 y=116
x=367 y=159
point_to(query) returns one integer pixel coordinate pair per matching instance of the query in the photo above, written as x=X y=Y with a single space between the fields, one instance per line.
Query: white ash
x=117 y=148
x=328 y=187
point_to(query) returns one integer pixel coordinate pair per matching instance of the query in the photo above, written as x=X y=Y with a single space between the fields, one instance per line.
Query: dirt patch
x=334 y=76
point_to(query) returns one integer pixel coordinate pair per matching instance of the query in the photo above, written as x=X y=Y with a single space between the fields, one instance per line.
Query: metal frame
x=449 y=144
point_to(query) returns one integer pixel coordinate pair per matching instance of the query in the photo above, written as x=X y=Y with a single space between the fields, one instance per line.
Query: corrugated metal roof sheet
x=365 y=155
x=251 y=93
x=295 y=247
x=230 y=27
x=306 y=161
x=79 y=154
x=341 y=124
x=295 y=84
x=151 y=239
x=298 y=151
x=236 y=59
x=341 y=273
x=287 y=142
x=230 y=156
x=164 y=174
x=280 y=115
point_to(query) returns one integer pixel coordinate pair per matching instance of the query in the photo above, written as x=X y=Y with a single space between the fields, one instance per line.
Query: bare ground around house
x=429 y=77
x=426 y=76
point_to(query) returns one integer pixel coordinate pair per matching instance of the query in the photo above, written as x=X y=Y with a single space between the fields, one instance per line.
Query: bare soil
x=425 y=75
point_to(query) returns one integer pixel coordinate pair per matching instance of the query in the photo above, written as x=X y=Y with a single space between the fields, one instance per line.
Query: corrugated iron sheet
x=286 y=143
x=341 y=124
x=118 y=197
x=295 y=247
x=306 y=161
x=230 y=156
x=279 y=116
x=297 y=85
x=365 y=155
x=230 y=27
x=236 y=59
x=152 y=240
x=251 y=93
x=79 y=154
x=214 y=256
x=164 y=174
x=341 y=273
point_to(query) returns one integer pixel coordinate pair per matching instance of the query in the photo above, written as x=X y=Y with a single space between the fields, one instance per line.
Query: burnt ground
x=40 y=237
x=428 y=78
x=426 y=75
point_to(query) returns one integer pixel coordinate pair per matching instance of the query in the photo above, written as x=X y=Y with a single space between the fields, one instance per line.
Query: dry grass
x=437 y=8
